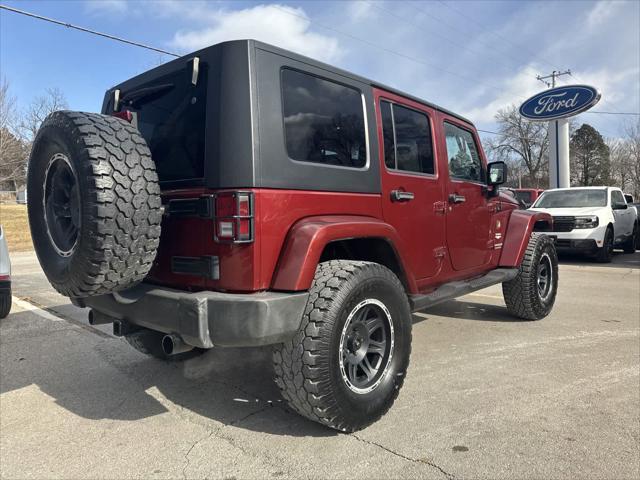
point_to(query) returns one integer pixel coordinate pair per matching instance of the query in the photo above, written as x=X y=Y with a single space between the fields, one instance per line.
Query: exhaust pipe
x=98 y=318
x=122 y=328
x=173 y=345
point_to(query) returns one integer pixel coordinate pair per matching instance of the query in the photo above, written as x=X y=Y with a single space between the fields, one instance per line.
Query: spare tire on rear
x=94 y=203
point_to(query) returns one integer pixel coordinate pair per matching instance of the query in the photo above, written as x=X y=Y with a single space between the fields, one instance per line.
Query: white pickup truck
x=591 y=220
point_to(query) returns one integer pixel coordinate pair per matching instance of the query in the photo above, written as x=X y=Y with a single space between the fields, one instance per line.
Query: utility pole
x=555 y=74
x=559 y=170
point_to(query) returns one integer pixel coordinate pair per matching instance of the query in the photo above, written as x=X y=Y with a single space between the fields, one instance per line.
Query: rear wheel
x=532 y=293
x=345 y=366
x=605 y=253
x=5 y=304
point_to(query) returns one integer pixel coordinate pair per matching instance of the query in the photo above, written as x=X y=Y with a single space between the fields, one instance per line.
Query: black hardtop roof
x=345 y=73
x=301 y=58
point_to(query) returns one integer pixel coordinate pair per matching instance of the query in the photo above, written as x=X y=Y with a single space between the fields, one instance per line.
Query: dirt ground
x=13 y=219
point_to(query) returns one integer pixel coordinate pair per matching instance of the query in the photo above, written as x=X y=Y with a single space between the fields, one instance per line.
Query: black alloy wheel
x=61 y=202
x=366 y=346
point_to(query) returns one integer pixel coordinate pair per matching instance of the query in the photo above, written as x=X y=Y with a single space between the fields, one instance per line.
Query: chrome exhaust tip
x=173 y=345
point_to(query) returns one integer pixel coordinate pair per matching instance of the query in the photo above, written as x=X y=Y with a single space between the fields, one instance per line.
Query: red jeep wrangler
x=244 y=195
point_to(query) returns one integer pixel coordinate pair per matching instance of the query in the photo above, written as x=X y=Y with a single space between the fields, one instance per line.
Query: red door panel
x=468 y=223
x=419 y=220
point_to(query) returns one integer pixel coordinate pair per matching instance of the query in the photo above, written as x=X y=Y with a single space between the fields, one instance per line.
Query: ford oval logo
x=560 y=102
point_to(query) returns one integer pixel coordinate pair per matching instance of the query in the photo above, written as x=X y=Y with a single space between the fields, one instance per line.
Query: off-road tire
x=149 y=342
x=5 y=304
x=521 y=294
x=605 y=253
x=307 y=366
x=118 y=193
x=629 y=245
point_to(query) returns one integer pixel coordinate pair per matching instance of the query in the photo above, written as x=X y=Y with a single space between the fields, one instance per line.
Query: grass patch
x=13 y=219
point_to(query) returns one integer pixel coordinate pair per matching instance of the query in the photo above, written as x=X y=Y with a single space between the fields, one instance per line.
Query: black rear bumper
x=5 y=287
x=206 y=319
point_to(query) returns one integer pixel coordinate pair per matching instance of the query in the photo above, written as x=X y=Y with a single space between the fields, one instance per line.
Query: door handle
x=401 y=196
x=455 y=198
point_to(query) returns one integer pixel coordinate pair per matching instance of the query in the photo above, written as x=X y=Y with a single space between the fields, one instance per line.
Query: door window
x=462 y=153
x=407 y=139
x=617 y=198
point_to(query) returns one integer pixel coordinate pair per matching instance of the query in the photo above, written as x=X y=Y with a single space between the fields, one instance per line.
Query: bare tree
x=522 y=143
x=632 y=150
x=12 y=150
x=621 y=166
x=41 y=106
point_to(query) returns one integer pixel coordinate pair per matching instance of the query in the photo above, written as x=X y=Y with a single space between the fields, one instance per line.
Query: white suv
x=590 y=219
x=5 y=277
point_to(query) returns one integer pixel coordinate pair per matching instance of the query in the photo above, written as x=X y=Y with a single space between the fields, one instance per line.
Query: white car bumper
x=586 y=239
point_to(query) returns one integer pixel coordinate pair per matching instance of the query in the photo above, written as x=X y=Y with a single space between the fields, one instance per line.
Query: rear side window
x=171 y=115
x=407 y=139
x=462 y=153
x=323 y=121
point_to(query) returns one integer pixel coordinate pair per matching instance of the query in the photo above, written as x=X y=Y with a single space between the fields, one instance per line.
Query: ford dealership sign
x=560 y=102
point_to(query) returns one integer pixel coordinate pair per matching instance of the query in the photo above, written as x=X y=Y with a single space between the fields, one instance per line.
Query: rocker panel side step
x=457 y=289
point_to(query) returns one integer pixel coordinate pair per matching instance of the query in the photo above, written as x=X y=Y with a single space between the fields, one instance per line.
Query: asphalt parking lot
x=485 y=397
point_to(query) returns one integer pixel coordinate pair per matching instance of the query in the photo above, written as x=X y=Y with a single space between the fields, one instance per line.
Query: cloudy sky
x=472 y=57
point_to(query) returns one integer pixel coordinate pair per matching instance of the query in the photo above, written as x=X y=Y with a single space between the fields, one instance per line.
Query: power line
x=385 y=49
x=497 y=35
x=487 y=131
x=86 y=30
x=462 y=32
x=613 y=113
x=439 y=21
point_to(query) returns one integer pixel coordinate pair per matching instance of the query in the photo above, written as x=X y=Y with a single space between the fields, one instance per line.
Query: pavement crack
x=404 y=457
x=209 y=434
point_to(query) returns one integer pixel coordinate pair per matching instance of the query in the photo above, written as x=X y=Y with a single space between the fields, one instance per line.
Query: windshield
x=523 y=196
x=574 y=198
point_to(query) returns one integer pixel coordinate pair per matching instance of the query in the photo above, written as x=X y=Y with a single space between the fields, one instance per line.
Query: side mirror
x=497 y=173
x=619 y=206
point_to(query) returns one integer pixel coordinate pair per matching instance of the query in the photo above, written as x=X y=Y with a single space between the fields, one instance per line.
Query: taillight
x=124 y=115
x=233 y=216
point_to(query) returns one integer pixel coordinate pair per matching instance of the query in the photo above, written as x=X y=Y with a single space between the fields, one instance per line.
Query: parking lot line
x=23 y=304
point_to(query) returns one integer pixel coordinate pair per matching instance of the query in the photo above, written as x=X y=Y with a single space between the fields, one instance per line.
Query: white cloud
x=106 y=6
x=601 y=12
x=283 y=26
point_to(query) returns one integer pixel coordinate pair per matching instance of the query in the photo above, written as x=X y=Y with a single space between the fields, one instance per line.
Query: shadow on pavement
x=97 y=378
x=464 y=310
x=620 y=260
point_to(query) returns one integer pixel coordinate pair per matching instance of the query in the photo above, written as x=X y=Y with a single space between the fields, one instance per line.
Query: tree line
x=18 y=129
x=595 y=160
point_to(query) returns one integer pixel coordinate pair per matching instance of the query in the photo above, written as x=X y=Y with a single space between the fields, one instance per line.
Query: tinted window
x=407 y=139
x=171 y=115
x=616 y=197
x=387 y=134
x=324 y=121
x=574 y=198
x=462 y=154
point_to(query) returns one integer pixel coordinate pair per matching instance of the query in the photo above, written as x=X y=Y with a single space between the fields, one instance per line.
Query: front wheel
x=532 y=293
x=345 y=366
x=605 y=253
x=631 y=242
